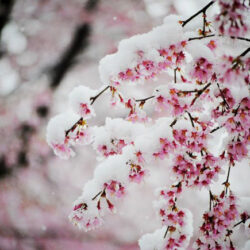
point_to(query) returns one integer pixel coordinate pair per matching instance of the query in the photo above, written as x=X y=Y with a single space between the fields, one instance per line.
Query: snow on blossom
x=218 y=222
x=116 y=134
x=174 y=239
x=56 y=130
x=123 y=65
x=85 y=215
x=233 y=18
x=66 y=130
x=79 y=99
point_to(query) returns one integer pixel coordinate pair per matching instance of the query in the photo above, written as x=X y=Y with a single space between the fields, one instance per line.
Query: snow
x=58 y=125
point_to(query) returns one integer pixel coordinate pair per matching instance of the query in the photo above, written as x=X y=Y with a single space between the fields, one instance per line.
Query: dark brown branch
x=223 y=97
x=215 y=129
x=204 y=23
x=145 y=99
x=226 y=183
x=200 y=37
x=203 y=10
x=93 y=99
x=240 y=38
x=244 y=53
x=165 y=235
x=191 y=118
x=213 y=35
x=74 y=126
x=99 y=193
x=200 y=92
x=175 y=80
x=210 y=200
x=242 y=221
x=173 y=123
x=79 y=42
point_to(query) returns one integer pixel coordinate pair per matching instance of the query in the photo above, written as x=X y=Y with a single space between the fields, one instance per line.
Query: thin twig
x=242 y=221
x=226 y=183
x=200 y=37
x=244 y=53
x=199 y=93
x=92 y=99
x=197 y=13
x=191 y=118
x=240 y=38
x=223 y=97
x=99 y=193
x=210 y=200
x=74 y=126
x=145 y=99
x=175 y=80
x=215 y=129
x=166 y=232
x=173 y=123
x=213 y=35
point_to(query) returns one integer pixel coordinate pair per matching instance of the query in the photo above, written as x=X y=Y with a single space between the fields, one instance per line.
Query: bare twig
x=226 y=183
x=145 y=99
x=197 y=13
x=166 y=232
x=215 y=129
x=200 y=92
x=223 y=97
x=200 y=37
x=191 y=118
x=93 y=99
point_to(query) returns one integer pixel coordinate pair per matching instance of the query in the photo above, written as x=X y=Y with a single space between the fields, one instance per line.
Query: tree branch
x=79 y=42
x=199 y=93
x=93 y=99
x=203 y=10
x=191 y=118
x=145 y=99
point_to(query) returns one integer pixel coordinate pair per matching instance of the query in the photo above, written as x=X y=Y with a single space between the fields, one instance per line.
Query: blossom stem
x=200 y=37
x=210 y=200
x=214 y=35
x=240 y=38
x=223 y=97
x=173 y=122
x=215 y=129
x=242 y=221
x=175 y=80
x=200 y=92
x=145 y=99
x=226 y=183
x=93 y=99
x=244 y=53
x=99 y=193
x=74 y=126
x=165 y=235
x=197 y=13
x=191 y=118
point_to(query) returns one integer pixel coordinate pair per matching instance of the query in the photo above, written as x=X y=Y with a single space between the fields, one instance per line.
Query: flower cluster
x=232 y=18
x=166 y=147
x=69 y=129
x=195 y=172
x=198 y=102
x=175 y=219
x=217 y=226
x=171 y=57
x=233 y=69
x=202 y=71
